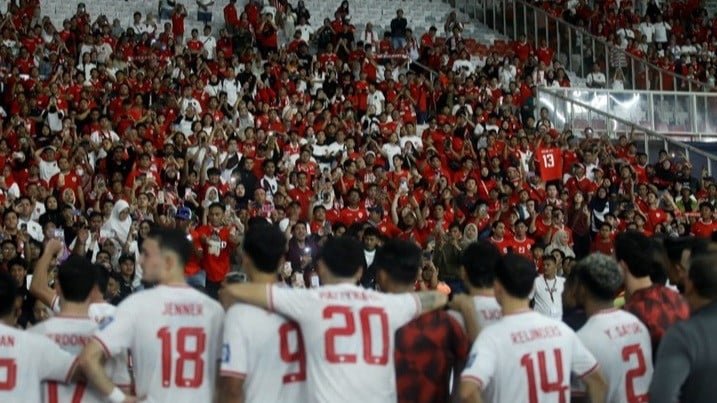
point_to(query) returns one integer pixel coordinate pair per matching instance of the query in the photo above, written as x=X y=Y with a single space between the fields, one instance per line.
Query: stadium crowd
x=677 y=36
x=115 y=136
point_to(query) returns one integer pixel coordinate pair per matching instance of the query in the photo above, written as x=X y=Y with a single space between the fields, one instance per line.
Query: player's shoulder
x=12 y=337
x=246 y=311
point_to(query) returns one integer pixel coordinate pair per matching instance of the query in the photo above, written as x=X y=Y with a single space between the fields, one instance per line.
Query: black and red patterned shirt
x=427 y=349
x=658 y=308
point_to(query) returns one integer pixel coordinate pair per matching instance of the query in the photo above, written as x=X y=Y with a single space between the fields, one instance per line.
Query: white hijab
x=121 y=228
x=207 y=200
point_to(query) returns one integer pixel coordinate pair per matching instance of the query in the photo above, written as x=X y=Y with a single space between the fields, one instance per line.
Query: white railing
x=690 y=116
x=625 y=113
x=575 y=47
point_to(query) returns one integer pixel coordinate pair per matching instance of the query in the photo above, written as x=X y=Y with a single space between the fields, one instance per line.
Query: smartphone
x=59 y=233
x=28 y=281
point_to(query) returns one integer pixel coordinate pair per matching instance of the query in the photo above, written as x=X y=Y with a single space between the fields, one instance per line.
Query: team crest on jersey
x=471 y=360
x=104 y=322
x=226 y=353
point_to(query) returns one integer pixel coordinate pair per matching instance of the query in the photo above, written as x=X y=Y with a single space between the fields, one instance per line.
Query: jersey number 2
x=627 y=351
x=349 y=329
x=187 y=354
x=546 y=386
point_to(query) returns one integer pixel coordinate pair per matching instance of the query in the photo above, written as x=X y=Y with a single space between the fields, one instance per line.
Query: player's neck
x=174 y=279
x=510 y=305
x=483 y=292
x=633 y=284
x=549 y=276
x=595 y=307
x=69 y=308
x=261 y=278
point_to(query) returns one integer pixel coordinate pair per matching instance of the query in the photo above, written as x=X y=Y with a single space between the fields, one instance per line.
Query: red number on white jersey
x=349 y=329
x=627 y=351
x=185 y=356
x=9 y=367
x=53 y=396
x=546 y=386
x=289 y=356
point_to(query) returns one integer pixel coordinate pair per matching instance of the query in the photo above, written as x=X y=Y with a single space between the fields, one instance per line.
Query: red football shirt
x=550 y=161
x=215 y=253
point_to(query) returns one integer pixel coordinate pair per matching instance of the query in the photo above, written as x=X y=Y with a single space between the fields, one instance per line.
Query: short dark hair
x=400 y=260
x=635 y=249
x=173 y=240
x=77 y=278
x=103 y=277
x=8 y=294
x=265 y=244
x=371 y=231
x=516 y=274
x=480 y=260
x=550 y=257
x=343 y=256
x=703 y=275
x=600 y=275
x=17 y=261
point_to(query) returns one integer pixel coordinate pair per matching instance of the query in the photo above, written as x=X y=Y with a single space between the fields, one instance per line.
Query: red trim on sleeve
x=473 y=379
x=103 y=345
x=232 y=374
x=270 y=292
x=588 y=372
x=71 y=370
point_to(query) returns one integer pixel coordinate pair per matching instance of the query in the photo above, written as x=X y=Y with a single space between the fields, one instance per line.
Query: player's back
x=71 y=333
x=349 y=334
x=487 y=309
x=26 y=360
x=174 y=334
x=267 y=351
x=528 y=358
x=622 y=346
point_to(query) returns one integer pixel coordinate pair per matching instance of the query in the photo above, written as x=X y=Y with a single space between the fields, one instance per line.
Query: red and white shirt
x=267 y=351
x=71 y=334
x=174 y=333
x=527 y=357
x=621 y=344
x=27 y=360
x=348 y=333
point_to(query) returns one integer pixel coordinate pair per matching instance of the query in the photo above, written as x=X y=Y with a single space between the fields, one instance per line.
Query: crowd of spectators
x=677 y=36
x=109 y=129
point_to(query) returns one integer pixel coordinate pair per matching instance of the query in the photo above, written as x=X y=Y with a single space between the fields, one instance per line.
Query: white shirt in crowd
x=210 y=45
x=661 y=29
x=376 y=99
x=322 y=314
x=157 y=325
x=28 y=360
x=548 y=296
x=513 y=357
x=71 y=334
x=621 y=344
x=267 y=351
x=648 y=30
x=596 y=79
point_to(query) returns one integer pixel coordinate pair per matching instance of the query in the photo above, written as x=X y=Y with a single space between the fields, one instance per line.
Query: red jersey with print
x=704 y=229
x=215 y=251
x=524 y=247
x=550 y=162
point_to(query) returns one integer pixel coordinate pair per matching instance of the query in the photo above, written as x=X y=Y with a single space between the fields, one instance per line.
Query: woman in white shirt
x=370 y=37
x=506 y=73
x=661 y=29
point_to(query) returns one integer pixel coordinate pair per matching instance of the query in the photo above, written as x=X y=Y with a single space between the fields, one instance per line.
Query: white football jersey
x=267 y=351
x=548 y=296
x=527 y=357
x=26 y=360
x=71 y=334
x=488 y=310
x=348 y=333
x=174 y=335
x=98 y=312
x=622 y=346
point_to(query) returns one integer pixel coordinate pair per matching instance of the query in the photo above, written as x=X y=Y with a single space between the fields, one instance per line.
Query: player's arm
x=91 y=362
x=596 y=385
x=254 y=294
x=464 y=304
x=431 y=300
x=39 y=287
x=470 y=392
x=231 y=390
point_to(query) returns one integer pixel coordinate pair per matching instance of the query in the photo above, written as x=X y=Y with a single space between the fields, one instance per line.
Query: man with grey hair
x=687 y=357
x=620 y=342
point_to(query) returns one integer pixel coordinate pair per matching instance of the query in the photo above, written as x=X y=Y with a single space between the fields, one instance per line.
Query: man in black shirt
x=687 y=358
x=398 y=30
